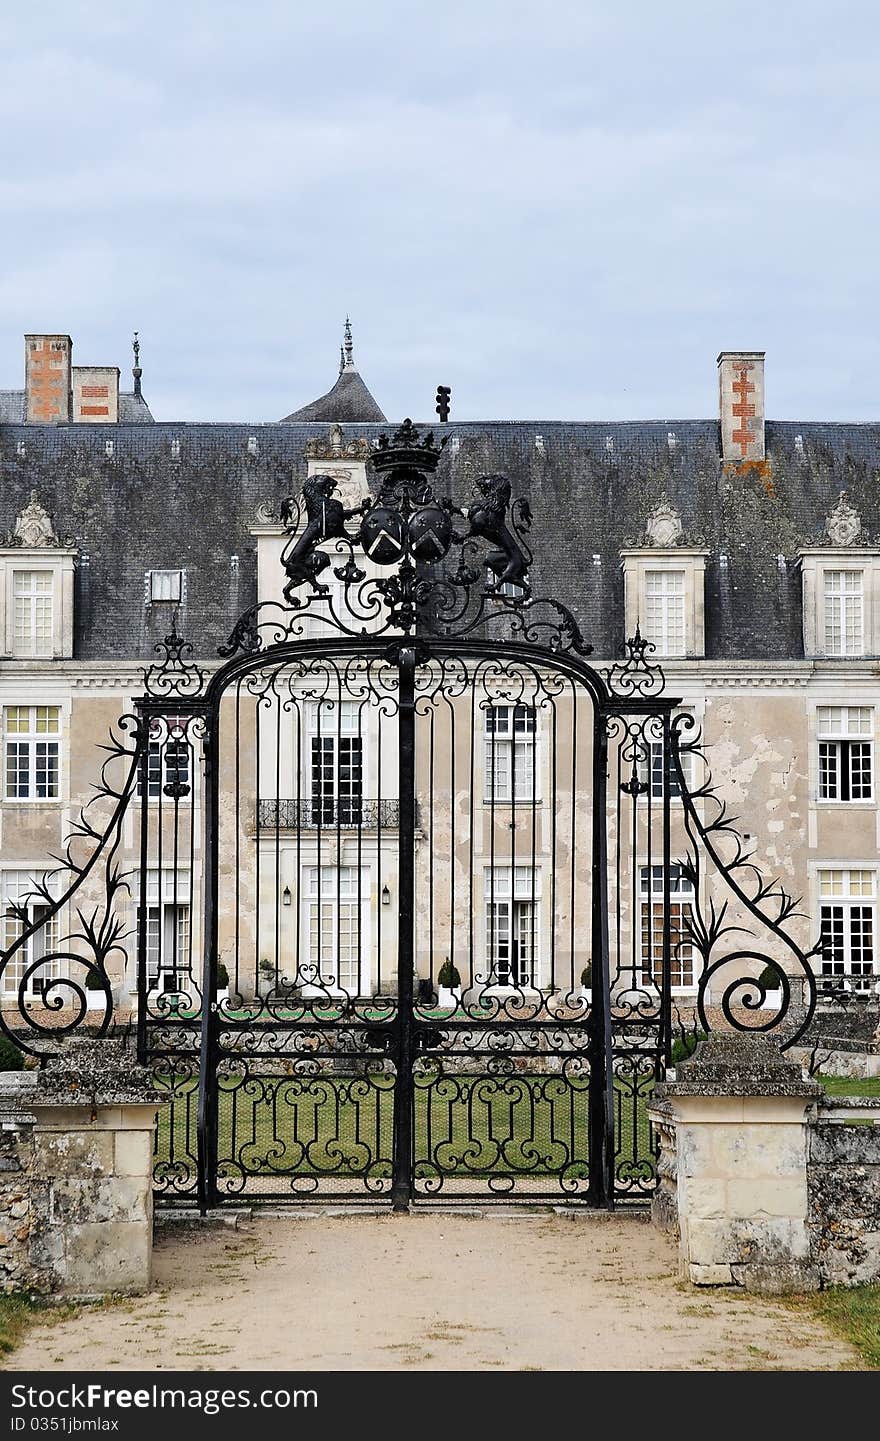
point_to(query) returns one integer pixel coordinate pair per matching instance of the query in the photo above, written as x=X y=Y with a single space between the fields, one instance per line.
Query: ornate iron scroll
x=60 y=971
x=747 y=1002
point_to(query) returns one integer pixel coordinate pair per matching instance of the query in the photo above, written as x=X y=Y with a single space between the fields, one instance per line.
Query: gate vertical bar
x=666 y=989
x=601 y=1139
x=208 y=1055
x=401 y=1183
x=142 y=979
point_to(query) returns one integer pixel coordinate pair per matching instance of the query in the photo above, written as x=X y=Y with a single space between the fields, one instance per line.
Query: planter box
x=448 y=997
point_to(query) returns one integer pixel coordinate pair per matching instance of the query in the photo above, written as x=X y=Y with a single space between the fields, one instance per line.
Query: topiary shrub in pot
x=222 y=982
x=771 y=981
x=96 y=995
x=11 y=1058
x=587 y=981
x=448 y=986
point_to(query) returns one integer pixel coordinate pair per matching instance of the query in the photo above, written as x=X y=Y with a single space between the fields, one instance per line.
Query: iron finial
x=348 y=348
x=136 y=368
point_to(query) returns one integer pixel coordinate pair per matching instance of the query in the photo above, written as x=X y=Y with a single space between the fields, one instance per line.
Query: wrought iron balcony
x=330 y=813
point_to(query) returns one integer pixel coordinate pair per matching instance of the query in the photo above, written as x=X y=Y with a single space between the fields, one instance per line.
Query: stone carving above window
x=843 y=524
x=334 y=447
x=664 y=530
x=663 y=526
x=34 y=529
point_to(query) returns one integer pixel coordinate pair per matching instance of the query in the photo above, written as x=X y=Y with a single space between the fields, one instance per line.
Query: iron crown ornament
x=403 y=563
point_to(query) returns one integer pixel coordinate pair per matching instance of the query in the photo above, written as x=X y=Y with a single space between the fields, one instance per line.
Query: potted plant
x=222 y=989
x=587 y=981
x=96 y=994
x=267 y=977
x=448 y=986
x=771 y=983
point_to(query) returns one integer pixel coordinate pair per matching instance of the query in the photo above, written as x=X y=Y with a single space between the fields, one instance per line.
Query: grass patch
x=853 y=1314
x=850 y=1085
x=18 y=1313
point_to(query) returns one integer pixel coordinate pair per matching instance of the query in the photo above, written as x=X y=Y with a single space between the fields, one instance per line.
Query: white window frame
x=665 y=624
x=171 y=966
x=850 y=897
x=32 y=738
x=843 y=611
x=842 y=727
x=510 y=893
x=331 y=724
x=501 y=751
x=36 y=638
x=321 y=900
x=160 y=768
x=166 y=587
x=17 y=883
x=681 y=896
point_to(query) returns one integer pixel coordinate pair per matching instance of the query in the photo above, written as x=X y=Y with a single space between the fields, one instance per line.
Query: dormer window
x=165 y=586
x=844 y=612
x=36 y=589
x=841 y=619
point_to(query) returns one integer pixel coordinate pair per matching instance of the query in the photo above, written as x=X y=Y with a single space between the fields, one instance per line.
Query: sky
x=561 y=210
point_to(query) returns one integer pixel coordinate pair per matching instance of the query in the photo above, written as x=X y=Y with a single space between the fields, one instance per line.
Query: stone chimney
x=47 y=377
x=741 y=401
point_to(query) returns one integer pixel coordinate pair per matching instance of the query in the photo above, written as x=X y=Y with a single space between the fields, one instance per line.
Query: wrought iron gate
x=408 y=924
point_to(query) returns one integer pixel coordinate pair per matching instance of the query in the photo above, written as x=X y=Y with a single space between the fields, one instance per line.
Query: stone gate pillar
x=76 y=1187
x=733 y=1165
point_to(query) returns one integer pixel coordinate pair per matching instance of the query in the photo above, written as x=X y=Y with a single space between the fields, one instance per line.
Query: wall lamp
x=285 y=896
x=386 y=896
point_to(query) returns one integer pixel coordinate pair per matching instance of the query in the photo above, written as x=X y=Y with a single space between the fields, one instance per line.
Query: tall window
x=32 y=752
x=681 y=947
x=847 y=902
x=336 y=763
x=168 y=761
x=336 y=927
x=664 y=610
x=512 y=926
x=169 y=949
x=32 y=594
x=846 y=752
x=651 y=770
x=18 y=886
x=844 y=633
x=510 y=753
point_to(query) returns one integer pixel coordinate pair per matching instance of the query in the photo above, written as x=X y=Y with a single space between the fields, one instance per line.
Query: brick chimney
x=95 y=394
x=741 y=401
x=47 y=377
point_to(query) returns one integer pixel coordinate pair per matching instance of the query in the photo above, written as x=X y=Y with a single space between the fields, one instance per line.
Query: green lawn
x=850 y=1085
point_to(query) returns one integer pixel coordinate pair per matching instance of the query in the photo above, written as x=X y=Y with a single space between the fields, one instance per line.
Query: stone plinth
x=78 y=1156
x=733 y=1166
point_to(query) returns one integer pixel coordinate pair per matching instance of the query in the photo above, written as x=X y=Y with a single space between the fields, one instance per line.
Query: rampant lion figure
x=488 y=518
x=325 y=520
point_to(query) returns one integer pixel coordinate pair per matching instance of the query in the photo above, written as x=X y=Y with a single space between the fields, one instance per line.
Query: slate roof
x=591 y=486
x=349 y=400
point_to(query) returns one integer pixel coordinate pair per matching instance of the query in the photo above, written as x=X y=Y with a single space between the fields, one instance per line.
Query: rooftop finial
x=348 y=348
x=136 y=368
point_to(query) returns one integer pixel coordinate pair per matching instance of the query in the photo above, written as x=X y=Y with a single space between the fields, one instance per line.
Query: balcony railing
x=330 y=813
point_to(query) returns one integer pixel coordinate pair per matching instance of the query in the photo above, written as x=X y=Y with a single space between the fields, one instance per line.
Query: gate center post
x=401 y=1185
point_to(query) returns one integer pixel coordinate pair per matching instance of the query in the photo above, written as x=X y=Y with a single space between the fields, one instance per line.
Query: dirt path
x=431 y=1293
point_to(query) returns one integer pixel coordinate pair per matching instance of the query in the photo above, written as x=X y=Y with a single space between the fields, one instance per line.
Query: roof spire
x=136 y=368
x=341 y=360
x=348 y=348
